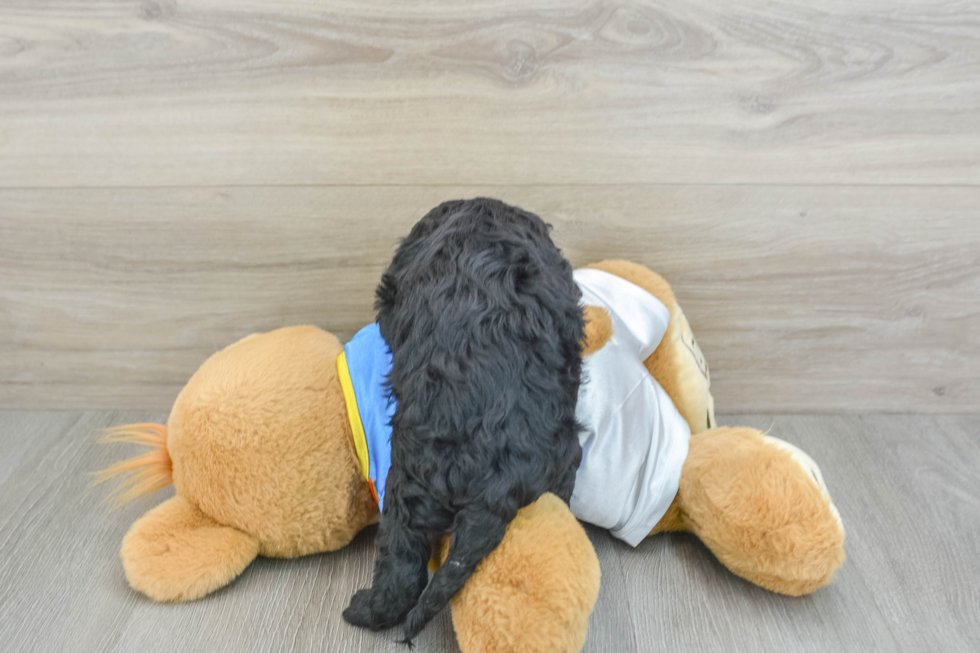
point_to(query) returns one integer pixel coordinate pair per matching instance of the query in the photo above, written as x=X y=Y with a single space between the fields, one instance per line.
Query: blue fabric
x=369 y=362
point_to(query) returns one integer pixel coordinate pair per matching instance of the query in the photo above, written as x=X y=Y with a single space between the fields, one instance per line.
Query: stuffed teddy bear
x=269 y=452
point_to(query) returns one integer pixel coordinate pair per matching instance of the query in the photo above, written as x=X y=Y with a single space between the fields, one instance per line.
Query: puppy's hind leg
x=567 y=462
x=400 y=574
x=565 y=484
x=477 y=532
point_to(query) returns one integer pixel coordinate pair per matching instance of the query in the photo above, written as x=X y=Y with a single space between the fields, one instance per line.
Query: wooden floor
x=907 y=488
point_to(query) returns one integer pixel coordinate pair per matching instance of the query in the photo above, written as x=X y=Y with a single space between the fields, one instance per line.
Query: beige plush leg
x=535 y=592
x=761 y=511
x=177 y=553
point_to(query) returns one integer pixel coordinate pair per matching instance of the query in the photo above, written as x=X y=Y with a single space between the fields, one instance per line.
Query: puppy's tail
x=476 y=535
x=142 y=474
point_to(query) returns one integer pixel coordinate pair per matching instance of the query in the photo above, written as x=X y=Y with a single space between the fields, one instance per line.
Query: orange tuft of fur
x=144 y=474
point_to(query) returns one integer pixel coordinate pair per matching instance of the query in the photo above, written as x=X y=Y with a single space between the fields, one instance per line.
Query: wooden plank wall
x=175 y=175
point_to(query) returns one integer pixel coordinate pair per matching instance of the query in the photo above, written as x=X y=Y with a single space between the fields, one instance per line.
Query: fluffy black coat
x=483 y=319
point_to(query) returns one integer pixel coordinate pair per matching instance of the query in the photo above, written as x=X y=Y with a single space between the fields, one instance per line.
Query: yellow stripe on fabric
x=357 y=429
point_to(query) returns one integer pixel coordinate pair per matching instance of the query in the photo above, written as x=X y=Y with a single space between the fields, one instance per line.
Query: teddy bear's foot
x=760 y=505
x=803 y=459
x=176 y=553
x=534 y=593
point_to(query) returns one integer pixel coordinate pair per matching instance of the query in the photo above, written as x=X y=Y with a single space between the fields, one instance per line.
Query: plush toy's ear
x=177 y=553
x=598 y=329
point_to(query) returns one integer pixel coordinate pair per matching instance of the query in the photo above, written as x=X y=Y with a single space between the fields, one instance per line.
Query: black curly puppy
x=483 y=320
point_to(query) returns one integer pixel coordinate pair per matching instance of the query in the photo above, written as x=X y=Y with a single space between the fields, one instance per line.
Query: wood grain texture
x=803 y=298
x=62 y=586
x=176 y=175
x=906 y=487
x=226 y=92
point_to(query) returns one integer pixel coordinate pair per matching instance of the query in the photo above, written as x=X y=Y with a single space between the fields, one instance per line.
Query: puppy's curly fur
x=483 y=319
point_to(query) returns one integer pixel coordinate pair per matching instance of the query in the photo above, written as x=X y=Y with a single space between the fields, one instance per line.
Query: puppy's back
x=481 y=312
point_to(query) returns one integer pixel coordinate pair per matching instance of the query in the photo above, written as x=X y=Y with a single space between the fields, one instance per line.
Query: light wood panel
x=803 y=298
x=176 y=175
x=905 y=485
x=226 y=92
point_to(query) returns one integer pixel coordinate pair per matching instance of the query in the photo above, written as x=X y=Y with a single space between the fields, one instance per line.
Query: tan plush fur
x=534 y=593
x=262 y=461
x=765 y=520
x=258 y=446
x=177 y=553
x=260 y=441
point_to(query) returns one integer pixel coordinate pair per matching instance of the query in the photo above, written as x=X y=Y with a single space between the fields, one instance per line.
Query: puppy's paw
x=367 y=612
x=414 y=623
x=358 y=613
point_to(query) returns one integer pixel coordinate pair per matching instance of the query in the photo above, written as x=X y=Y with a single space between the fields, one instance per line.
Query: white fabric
x=635 y=442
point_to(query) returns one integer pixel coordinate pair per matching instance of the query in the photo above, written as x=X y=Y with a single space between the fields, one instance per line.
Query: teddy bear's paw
x=534 y=593
x=761 y=506
x=801 y=458
x=177 y=553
